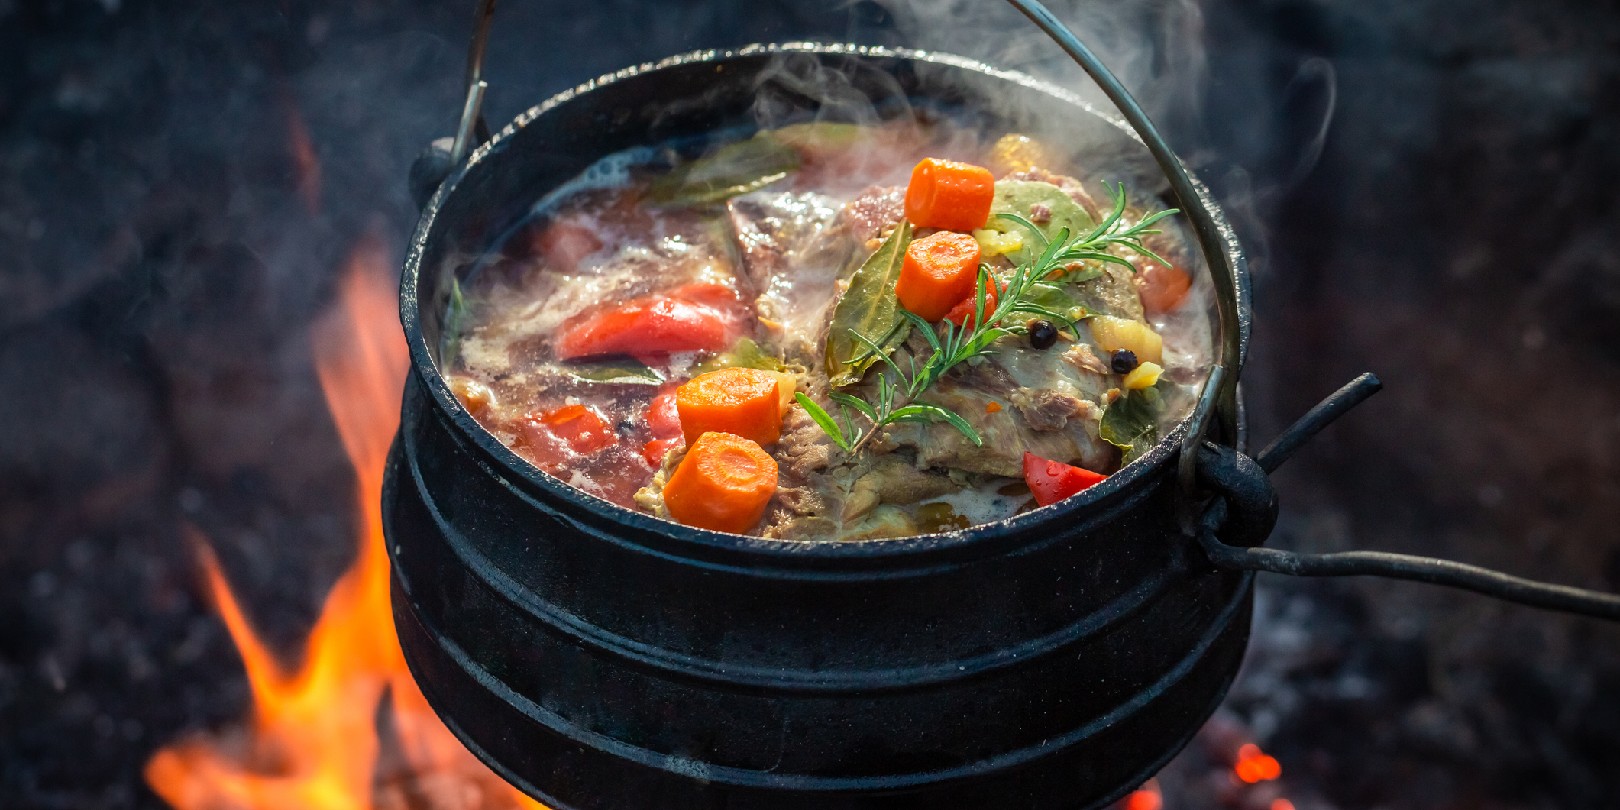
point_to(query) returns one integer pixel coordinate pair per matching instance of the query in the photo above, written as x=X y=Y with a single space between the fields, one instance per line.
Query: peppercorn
x=1042 y=334
x=1123 y=361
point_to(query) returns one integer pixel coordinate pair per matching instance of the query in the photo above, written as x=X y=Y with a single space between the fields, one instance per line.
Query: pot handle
x=1218 y=399
x=436 y=162
x=1239 y=518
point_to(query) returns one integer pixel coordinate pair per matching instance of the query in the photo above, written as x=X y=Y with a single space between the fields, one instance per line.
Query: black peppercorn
x=1123 y=361
x=1042 y=334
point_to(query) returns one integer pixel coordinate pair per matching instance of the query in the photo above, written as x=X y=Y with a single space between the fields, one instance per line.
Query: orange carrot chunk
x=949 y=195
x=742 y=401
x=723 y=484
x=938 y=272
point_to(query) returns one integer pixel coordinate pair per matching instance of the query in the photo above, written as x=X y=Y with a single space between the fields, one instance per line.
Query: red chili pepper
x=690 y=318
x=665 y=422
x=1052 y=481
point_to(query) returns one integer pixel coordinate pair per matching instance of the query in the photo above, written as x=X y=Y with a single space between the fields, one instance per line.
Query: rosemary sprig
x=1061 y=259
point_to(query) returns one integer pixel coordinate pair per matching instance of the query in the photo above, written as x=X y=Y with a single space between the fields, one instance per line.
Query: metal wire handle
x=1246 y=491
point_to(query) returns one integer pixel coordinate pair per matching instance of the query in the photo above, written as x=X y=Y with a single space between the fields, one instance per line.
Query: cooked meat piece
x=1047 y=410
x=793 y=248
x=876 y=210
x=1112 y=293
x=894 y=480
x=1084 y=357
x=804 y=449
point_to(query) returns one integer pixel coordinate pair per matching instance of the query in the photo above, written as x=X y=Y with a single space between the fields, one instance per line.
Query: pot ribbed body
x=604 y=660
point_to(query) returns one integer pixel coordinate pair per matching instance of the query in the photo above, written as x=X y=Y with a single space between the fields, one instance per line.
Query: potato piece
x=1143 y=376
x=1113 y=334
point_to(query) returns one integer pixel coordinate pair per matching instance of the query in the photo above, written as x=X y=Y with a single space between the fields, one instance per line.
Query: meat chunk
x=1047 y=410
x=874 y=211
x=793 y=246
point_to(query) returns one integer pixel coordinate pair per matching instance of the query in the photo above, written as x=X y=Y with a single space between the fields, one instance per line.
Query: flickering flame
x=312 y=742
x=1254 y=766
x=1146 y=797
x=306 y=166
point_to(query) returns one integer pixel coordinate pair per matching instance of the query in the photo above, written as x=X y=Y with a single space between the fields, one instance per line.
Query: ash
x=1427 y=190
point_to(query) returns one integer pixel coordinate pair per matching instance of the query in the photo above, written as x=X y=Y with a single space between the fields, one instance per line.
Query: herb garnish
x=1060 y=260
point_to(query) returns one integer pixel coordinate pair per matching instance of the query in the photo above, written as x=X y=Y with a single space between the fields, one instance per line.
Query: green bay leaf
x=733 y=169
x=1131 y=423
x=1019 y=196
x=618 y=371
x=868 y=308
x=744 y=354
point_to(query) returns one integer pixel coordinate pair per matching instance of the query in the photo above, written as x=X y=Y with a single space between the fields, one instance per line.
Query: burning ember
x=1253 y=765
x=347 y=729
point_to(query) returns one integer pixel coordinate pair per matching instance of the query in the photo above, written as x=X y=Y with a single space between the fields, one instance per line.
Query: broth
x=758 y=255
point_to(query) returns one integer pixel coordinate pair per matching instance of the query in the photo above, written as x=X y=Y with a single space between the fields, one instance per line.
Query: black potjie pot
x=602 y=659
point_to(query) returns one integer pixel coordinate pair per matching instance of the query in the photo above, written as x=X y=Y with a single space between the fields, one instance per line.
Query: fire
x=1146 y=797
x=1254 y=766
x=312 y=742
x=306 y=166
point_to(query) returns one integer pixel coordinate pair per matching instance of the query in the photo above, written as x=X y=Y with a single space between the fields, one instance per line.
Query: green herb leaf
x=455 y=320
x=854 y=402
x=623 y=371
x=823 y=419
x=923 y=412
x=1132 y=422
x=736 y=168
x=745 y=354
x=868 y=313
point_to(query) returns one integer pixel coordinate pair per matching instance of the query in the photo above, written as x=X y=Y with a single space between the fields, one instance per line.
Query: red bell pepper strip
x=696 y=317
x=1052 y=481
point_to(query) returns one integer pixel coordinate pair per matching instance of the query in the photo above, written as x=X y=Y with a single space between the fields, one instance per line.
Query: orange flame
x=306 y=165
x=1254 y=766
x=312 y=742
x=1146 y=797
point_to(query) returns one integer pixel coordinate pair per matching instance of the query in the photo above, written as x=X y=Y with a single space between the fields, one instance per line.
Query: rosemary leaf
x=822 y=419
x=923 y=412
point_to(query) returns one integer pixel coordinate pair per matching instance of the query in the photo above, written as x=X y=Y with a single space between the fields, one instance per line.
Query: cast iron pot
x=602 y=659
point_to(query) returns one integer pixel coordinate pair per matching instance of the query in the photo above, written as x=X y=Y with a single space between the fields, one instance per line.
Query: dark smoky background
x=1427 y=190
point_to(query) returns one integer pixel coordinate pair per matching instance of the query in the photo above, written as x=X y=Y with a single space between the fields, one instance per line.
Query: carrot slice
x=742 y=401
x=939 y=270
x=1163 y=287
x=723 y=484
x=949 y=195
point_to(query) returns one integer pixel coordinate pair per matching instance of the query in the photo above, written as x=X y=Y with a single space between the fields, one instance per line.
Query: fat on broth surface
x=754 y=239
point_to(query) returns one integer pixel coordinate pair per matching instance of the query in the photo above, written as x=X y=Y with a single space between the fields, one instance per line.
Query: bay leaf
x=733 y=169
x=1131 y=423
x=745 y=354
x=618 y=371
x=1019 y=196
x=868 y=307
x=819 y=137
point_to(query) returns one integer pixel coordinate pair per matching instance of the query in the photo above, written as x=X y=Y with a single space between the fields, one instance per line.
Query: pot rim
x=641 y=527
